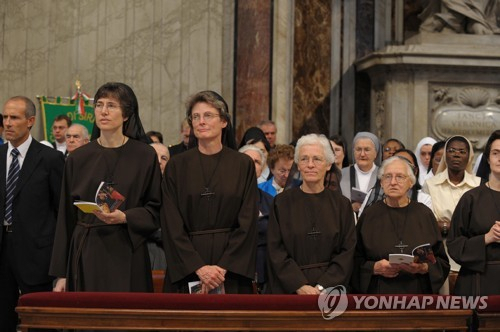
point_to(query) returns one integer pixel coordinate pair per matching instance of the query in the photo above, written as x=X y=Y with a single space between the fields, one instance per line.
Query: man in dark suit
x=30 y=182
x=183 y=145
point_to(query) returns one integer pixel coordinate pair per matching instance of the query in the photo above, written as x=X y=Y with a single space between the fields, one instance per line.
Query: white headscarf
x=443 y=165
x=422 y=169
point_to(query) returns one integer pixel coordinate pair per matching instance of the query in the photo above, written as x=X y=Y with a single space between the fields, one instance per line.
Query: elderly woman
x=415 y=193
x=265 y=203
x=359 y=178
x=396 y=225
x=475 y=231
x=280 y=163
x=311 y=236
x=255 y=136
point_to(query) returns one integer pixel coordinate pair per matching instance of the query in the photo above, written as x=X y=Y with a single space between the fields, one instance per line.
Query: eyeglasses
x=317 y=161
x=110 y=107
x=360 y=150
x=206 y=116
x=399 y=178
x=283 y=171
x=462 y=152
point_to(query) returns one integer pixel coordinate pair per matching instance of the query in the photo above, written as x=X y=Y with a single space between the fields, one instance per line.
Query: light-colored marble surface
x=413 y=77
x=165 y=50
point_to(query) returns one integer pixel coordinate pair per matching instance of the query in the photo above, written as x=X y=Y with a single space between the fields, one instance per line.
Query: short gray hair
x=85 y=131
x=251 y=147
x=30 y=109
x=315 y=139
x=409 y=170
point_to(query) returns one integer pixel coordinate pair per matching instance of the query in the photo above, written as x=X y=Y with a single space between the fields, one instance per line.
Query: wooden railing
x=145 y=311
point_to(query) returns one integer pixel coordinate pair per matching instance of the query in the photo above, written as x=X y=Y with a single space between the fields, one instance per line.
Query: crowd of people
x=258 y=217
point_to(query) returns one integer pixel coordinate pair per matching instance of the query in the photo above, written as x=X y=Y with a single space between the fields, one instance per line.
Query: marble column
x=253 y=51
x=311 y=67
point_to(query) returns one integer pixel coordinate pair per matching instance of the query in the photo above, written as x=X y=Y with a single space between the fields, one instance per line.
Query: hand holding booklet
x=107 y=199
x=421 y=254
x=357 y=195
x=195 y=288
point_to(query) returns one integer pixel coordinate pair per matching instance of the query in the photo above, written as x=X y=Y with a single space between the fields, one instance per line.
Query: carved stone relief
x=379 y=114
x=471 y=111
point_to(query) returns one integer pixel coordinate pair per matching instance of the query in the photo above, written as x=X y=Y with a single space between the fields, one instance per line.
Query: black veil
x=132 y=127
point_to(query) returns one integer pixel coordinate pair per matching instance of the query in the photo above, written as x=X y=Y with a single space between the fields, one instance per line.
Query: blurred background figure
x=184 y=143
x=390 y=147
x=265 y=204
x=363 y=174
x=436 y=155
x=423 y=153
x=256 y=136
x=163 y=155
x=76 y=136
x=155 y=136
x=59 y=126
x=1 y=130
x=269 y=129
x=280 y=163
x=339 y=146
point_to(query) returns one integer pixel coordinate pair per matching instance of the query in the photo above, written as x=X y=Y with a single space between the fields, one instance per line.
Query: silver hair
x=85 y=131
x=409 y=170
x=315 y=139
x=250 y=147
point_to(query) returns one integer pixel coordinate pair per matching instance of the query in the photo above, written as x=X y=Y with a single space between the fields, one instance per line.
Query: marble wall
x=287 y=60
x=165 y=50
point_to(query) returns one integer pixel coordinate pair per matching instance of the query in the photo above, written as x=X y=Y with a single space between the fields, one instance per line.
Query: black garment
x=95 y=256
x=176 y=149
x=310 y=240
x=476 y=212
x=265 y=205
x=216 y=229
x=379 y=229
x=25 y=252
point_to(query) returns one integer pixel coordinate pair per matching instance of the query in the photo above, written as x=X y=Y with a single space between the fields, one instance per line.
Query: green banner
x=54 y=106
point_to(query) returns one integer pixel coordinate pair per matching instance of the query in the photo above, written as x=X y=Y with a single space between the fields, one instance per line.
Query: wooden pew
x=489 y=317
x=141 y=311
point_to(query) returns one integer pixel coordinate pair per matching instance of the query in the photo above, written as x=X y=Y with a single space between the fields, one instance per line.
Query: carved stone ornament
x=473 y=112
x=379 y=113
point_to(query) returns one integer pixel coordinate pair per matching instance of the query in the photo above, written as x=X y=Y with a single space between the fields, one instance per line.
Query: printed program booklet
x=421 y=254
x=195 y=288
x=107 y=199
x=357 y=195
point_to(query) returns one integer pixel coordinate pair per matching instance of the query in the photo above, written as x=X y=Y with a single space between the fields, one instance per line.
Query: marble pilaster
x=253 y=63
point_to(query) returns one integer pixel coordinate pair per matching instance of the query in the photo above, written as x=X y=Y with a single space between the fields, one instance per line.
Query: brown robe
x=379 y=230
x=214 y=229
x=97 y=256
x=310 y=240
x=476 y=212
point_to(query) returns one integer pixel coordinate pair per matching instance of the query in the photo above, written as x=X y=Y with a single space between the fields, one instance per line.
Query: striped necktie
x=11 y=185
